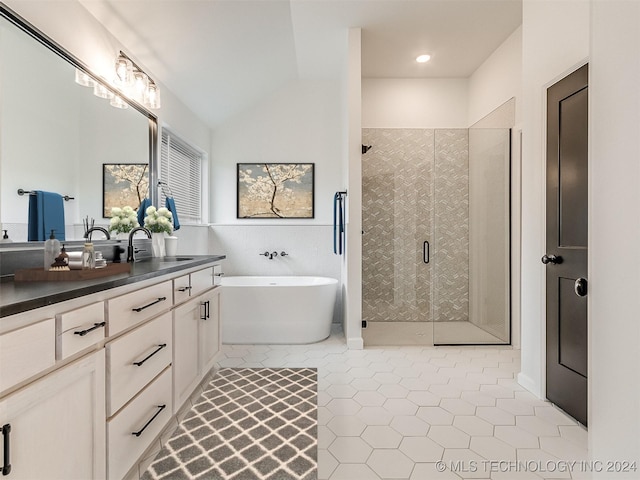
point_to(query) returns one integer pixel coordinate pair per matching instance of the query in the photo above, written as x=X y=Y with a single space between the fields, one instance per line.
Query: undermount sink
x=175 y=259
x=164 y=259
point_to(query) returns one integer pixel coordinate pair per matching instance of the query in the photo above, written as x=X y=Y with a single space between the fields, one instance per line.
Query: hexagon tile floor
x=421 y=413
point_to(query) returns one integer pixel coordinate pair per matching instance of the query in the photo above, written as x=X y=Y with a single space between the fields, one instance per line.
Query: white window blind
x=181 y=169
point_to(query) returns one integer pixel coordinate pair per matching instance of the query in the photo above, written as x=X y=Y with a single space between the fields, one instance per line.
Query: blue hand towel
x=46 y=213
x=146 y=203
x=171 y=206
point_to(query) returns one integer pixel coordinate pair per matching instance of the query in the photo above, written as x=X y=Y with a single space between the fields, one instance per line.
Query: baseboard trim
x=526 y=382
x=355 y=343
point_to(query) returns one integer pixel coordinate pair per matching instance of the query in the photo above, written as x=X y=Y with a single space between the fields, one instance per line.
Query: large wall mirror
x=55 y=134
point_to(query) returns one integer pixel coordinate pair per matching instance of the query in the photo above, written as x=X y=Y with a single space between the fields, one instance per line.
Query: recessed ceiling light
x=423 y=58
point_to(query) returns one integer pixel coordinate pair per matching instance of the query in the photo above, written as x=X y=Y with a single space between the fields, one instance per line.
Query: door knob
x=546 y=259
x=580 y=287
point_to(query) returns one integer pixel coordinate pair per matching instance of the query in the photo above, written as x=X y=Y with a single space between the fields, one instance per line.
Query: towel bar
x=31 y=192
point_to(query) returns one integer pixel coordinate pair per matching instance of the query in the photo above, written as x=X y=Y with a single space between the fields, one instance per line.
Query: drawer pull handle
x=139 y=432
x=184 y=289
x=139 y=309
x=207 y=312
x=160 y=347
x=6 y=451
x=82 y=333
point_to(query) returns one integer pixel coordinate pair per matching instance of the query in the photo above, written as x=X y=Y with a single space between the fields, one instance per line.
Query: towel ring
x=164 y=186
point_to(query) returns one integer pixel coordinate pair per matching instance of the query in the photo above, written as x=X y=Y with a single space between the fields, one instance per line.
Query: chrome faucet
x=130 y=256
x=87 y=234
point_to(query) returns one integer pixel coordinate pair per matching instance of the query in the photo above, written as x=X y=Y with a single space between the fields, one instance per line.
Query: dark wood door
x=566 y=255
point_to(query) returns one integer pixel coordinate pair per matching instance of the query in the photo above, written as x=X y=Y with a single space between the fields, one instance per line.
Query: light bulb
x=124 y=71
x=152 y=96
x=423 y=58
x=140 y=85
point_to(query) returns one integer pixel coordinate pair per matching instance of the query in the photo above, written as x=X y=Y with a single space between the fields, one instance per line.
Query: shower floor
x=421 y=333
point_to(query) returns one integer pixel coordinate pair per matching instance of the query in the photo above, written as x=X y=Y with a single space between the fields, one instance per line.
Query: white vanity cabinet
x=79 y=329
x=88 y=384
x=26 y=351
x=209 y=331
x=185 y=350
x=196 y=333
x=57 y=428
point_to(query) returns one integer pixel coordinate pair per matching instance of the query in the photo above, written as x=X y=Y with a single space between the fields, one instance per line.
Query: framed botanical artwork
x=123 y=184
x=275 y=190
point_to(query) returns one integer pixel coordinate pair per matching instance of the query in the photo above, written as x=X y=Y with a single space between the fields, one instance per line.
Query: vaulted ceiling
x=221 y=56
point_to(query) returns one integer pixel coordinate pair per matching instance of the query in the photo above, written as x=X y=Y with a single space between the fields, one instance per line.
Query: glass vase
x=157 y=244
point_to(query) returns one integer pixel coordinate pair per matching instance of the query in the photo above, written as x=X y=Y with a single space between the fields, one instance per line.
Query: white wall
x=550 y=51
x=614 y=232
x=301 y=122
x=497 y=80
x=414 y=103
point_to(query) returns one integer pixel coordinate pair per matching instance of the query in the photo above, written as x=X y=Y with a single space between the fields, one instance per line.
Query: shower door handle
x=425 y=252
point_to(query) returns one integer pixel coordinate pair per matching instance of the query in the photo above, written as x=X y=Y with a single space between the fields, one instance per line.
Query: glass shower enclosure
x=436 y=236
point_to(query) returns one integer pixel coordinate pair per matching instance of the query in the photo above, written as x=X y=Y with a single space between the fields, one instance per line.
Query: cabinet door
x=185 y=350
x=209 y=334
x=58 y=424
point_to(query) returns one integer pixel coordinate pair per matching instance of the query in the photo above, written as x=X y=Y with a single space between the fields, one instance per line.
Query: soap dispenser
x=64 y=256
x=5 y=238
x=51 y=250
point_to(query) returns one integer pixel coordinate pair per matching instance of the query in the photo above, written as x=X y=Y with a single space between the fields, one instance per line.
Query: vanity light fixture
x=84 y=79
x=152 y=96
x=124 y=71
x=423 y=58
x=131 y=80
x=101 y=91
x=118 y=102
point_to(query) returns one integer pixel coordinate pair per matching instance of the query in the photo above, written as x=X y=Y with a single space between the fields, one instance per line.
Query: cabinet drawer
x=201 y=281
x=132 y=308
x=136 y=358
x=131 y=431
x=217 y=273
x=79 y=329
x=181 y=289
x=26 y=352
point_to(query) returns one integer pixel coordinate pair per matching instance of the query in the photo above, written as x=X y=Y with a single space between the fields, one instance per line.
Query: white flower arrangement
x=123 y=220
x=158 y=221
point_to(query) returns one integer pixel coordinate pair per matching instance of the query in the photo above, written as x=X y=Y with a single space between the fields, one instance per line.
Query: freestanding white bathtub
x=277 y=310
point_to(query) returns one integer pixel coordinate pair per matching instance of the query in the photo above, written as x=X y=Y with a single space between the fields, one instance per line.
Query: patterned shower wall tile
x=451 y=208
x=397 y=211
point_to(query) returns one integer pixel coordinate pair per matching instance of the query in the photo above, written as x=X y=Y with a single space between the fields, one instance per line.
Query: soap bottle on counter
x=5 y=237
x=88 y=257
x=51 y=250
x=64 y=256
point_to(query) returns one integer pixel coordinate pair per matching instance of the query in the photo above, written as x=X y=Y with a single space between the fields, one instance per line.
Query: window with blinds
x=181 y=169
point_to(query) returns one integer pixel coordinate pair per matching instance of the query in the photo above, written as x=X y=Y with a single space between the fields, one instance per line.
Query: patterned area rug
x=249 y=424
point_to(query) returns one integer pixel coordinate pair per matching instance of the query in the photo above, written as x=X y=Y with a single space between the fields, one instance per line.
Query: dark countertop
x=21 y=297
